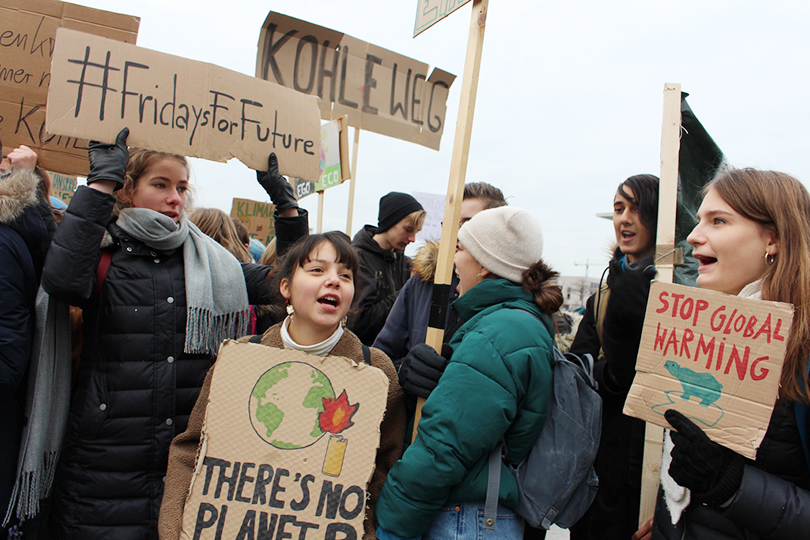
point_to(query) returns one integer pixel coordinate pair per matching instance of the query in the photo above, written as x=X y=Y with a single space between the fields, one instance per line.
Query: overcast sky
x=569 y=99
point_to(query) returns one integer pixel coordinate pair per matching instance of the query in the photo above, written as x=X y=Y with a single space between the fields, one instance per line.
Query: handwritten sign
x=257 y=217
x=62 y=186
x=429 y=12
x=334 y=155
x=172 y=104
x=27 y=36
x=433 y=204
x=379 y=90
x=714 y=357
x=289 y=445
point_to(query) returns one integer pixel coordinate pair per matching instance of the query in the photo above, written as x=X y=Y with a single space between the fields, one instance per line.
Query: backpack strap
x=493 y=487
x=101 y=271
x=366 y=353
x=256 y=338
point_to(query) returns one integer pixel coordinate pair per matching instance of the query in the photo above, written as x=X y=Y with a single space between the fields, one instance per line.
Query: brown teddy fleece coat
x=184 y=447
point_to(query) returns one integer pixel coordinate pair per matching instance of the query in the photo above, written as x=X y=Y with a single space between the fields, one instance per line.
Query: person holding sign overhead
x=496 y=387
x=158 y=297
x=317 y=278
x=611 y=332
x=752 y=240
x=384 y=268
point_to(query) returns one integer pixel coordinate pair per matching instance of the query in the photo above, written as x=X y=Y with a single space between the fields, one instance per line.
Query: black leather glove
x=713 y=473
x=280 y=191
x=421 y=369
x=109 y=161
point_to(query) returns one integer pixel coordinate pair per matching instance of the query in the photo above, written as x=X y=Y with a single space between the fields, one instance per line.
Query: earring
x=290 y=309
x=343 y=322
x=479 y=276
x=769 y=259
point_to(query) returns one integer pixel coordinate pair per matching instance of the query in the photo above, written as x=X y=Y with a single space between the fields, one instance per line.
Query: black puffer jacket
x=135 y=386
x=614 y=512
x=773 y=501
x=382 y=274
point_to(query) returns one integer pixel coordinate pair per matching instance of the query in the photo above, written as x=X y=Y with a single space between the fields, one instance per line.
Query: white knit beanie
x=506 y=241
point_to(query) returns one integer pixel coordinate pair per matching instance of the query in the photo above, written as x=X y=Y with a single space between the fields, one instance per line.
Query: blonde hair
x=780 y=204
x=219 y=226
x=415 y=219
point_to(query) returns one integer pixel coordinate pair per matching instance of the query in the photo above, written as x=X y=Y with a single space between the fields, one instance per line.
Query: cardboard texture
x=288 y=446
x=172 y=104
x=27 y=34
x=379 y=90
x=257 y=217
x=714 y=357
x=429 y=12
x=63 y=186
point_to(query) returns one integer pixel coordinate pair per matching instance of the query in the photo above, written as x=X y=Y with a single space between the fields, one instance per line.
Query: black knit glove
x=421 y=369
x=280 y=191
x=713 y=473
x=109 y=161
x=624 y=321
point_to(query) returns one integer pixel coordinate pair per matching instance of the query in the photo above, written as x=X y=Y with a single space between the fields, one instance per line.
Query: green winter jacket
x=497 y=384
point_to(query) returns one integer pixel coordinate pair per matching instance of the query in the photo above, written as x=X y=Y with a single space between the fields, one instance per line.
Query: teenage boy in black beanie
x=384 y=268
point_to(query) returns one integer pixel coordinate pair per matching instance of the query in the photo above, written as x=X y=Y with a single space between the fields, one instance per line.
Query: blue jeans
x=465 y=521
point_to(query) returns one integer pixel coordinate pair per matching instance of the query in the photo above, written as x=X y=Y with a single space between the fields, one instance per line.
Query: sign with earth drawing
x=288 y=446
x=714 y=357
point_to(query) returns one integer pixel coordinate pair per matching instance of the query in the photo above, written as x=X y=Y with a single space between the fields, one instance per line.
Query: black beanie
x=394 y=207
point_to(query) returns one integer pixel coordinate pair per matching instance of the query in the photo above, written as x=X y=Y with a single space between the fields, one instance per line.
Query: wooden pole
x=458 y=172
x=665 y=264
x=353 y=181
x=320 y=211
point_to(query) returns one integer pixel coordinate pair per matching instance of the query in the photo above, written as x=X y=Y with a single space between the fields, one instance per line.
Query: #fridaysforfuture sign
x=172 y=104
x=257 y=217
x=27 y=37
x=714 y=357
x=379 y=90
x=288 y=446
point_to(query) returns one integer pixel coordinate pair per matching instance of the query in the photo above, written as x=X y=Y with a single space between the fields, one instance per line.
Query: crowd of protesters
x=101 y=422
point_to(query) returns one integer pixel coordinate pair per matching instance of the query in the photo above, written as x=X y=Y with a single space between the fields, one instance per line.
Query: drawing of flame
x=336 y=417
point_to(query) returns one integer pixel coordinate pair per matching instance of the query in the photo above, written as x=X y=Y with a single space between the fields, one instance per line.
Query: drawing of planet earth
x=285 y=404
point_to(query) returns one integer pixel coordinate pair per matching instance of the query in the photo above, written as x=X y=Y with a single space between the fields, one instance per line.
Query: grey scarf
x=46 y=408
x=216 y=295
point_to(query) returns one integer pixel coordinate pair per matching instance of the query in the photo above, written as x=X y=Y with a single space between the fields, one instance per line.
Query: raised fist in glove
x=109 y=161
x=713 y=473
x=421 y=369
x=280 y=191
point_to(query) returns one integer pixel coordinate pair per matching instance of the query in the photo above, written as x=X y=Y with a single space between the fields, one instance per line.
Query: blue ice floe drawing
x=703 y=386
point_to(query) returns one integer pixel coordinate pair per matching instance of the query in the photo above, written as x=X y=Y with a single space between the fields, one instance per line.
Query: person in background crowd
x=153 y=320
x=219 y=226
x=25 y=219
x=269 y=314
x=752 y=240
x=611 y=332
x=316 y=267
x=496 y=387
x=384 y=268
x=406 y=325
x=254 y=247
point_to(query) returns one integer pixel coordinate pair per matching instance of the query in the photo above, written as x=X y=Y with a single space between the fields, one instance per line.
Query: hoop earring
x=479 y=277
x=769 y=259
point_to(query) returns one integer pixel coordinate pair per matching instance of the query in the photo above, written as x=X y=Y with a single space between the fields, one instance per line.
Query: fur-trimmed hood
x=425 y=261
x=18 y=190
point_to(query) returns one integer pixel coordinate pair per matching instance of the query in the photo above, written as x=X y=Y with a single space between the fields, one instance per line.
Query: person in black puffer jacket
x=384 y=268
x=152 y=325
x=752 y=240
x=611 y=332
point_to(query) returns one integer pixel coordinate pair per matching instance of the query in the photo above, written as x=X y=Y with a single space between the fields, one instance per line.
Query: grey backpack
x=557 y=482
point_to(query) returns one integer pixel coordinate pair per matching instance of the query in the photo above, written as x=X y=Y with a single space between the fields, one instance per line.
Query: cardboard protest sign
x=257 y=217
x=429 y=12
x=27 y=34
x=334 y=155
x=434 y=206
x=379 y=90
x=714 y=357
x=62 y=186
x=288 y=446
x=173 y=104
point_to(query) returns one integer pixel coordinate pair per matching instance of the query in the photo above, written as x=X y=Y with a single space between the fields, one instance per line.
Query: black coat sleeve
x=290 y=229
x=70 y=266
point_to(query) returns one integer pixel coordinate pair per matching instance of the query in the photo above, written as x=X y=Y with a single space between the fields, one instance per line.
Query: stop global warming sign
x=288 y=446
x=714 y=357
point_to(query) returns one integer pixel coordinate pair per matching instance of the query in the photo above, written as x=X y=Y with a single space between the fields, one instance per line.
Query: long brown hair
x=219 y=226
x=780 y=204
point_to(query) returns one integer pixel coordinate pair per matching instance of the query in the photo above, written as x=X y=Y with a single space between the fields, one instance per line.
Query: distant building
x=576 y=291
